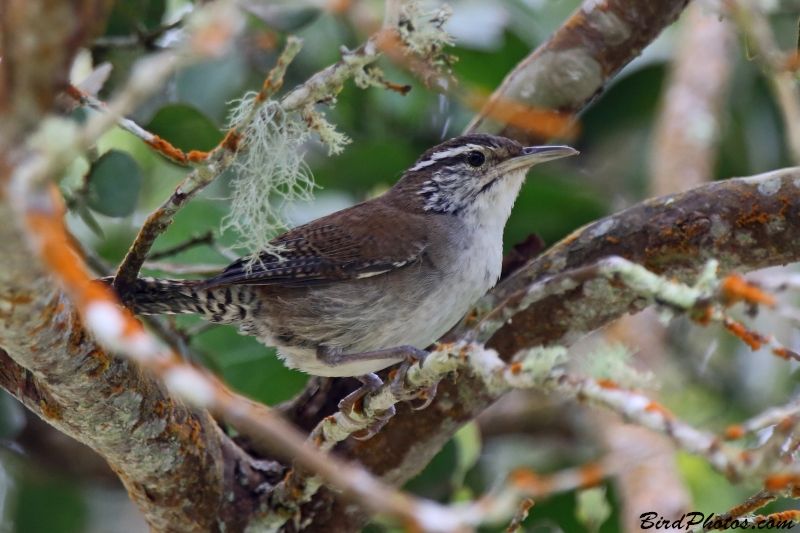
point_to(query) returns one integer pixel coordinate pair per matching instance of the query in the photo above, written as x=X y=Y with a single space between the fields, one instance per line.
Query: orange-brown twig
x=791 y=515
x=520 y=516
x=208 y=166
x=781 y=482
x=736 y=288
x=543 y=123
x=152 y=140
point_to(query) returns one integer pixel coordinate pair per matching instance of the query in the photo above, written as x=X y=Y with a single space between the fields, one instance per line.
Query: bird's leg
x=408 y=354
x=399 y=382
x=333 y=356
x=370 y=382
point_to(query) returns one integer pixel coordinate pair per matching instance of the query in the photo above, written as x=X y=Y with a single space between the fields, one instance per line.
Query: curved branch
x=744 y=223
x=152 y=440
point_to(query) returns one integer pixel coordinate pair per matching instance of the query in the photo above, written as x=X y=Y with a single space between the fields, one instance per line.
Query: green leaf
x=592 y=509
x=185 y=127
x=249 y=367
x=487 y=69
x=434 y=481
x=469 y=445
x=154 y=13
x=114 y=184
x=552 y=204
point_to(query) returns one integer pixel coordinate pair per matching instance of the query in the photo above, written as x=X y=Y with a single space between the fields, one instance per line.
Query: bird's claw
x=427 y=394
x=369 y=383
x=376 y=426
x=398 y=386
x=347 y=405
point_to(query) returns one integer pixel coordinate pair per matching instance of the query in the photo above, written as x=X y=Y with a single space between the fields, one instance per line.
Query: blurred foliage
x=114 y=183
x=185 y=128
x=389 y=131
x=52 y=505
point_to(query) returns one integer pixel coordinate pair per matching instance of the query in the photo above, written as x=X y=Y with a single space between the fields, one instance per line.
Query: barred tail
x=227 y=305
x=151 y=296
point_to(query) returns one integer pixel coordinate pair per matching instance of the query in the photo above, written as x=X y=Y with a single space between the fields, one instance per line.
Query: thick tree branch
x=745 y=223
x=575 y=64
x=39 y=39
x=154 y=441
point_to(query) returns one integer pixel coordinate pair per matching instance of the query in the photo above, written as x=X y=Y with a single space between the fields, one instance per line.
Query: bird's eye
x=475 y=159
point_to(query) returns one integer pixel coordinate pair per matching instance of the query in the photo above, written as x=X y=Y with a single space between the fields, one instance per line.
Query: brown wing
x=357 y=242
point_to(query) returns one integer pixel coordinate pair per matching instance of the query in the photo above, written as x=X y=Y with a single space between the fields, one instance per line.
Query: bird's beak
x=539 y=154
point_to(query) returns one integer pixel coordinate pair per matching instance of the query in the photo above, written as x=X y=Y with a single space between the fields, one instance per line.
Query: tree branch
x=684 y=149
x=674 y=236
x=154 y=441
x=575 y=64
x=745 y=223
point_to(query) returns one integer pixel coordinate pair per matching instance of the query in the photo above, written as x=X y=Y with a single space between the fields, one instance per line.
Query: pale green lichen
x=271 y=173
x=315 y=120
x=422 y=31
x=611 y=361
x=539 y=362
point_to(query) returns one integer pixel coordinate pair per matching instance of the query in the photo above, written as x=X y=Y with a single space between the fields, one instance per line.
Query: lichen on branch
x=271 y=172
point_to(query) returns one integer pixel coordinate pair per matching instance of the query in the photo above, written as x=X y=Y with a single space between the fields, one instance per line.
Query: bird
x=372 y=285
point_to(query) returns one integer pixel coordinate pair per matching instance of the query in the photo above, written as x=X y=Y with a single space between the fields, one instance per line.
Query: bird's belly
x=397 y=309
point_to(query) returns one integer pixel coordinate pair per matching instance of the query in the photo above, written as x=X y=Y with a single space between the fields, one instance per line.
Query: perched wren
x=372 y=285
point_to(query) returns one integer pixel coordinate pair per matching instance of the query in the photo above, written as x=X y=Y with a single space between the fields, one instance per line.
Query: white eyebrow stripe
x=454 y=151
x=444 y=154
x=422 y=164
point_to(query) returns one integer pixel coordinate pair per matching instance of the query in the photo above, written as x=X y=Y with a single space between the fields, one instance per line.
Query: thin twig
x=205 y=238
x=752 y=504
x=520 y=516
x=160 y=145
x=765 y=419
x=180 y=269
x=142 y=38
x=177 y=340
x=214 y=164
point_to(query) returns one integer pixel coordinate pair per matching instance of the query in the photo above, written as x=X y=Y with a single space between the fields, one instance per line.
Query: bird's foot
x=399 y=387
x=376 y=426
x=428 y=394
x=353 y=403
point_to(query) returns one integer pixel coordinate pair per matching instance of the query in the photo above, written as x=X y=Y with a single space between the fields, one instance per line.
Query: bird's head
x=475 y=171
